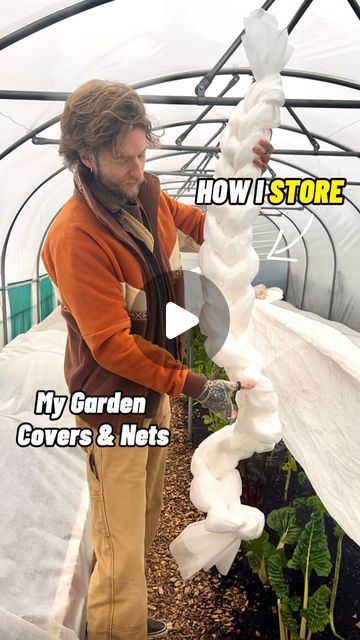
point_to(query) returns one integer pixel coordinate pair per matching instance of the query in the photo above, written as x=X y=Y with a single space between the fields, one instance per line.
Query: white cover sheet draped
x=45 y=551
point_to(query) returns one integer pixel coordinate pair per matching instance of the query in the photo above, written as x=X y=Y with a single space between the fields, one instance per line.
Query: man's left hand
x=263 y=151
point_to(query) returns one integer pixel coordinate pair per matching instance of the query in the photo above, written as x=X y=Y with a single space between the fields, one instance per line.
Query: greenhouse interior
x=262 y=540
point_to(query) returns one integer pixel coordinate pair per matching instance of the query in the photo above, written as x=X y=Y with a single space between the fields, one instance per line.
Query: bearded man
x=113 y=256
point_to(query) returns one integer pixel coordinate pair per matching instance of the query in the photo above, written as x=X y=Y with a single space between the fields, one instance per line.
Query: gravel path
x=206 y=606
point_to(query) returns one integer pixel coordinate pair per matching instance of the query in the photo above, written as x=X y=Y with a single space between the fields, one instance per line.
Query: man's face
x=122 y=175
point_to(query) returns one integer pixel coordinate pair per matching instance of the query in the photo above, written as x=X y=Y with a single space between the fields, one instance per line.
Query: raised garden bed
x=212 y=607
x=275 y=484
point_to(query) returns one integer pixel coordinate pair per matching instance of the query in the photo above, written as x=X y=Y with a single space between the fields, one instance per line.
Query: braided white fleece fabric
x=227 y=259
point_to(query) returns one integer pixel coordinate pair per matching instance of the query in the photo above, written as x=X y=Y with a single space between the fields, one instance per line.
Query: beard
x=118 y=191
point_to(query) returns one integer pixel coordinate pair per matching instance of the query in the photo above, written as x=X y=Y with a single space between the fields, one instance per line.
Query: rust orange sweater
x=93 y=263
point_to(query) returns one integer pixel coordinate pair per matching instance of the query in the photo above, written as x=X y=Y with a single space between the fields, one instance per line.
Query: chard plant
x=304 y=550
x=290 y=467
x=203 y=365
x=214 y=422
x=201 y=362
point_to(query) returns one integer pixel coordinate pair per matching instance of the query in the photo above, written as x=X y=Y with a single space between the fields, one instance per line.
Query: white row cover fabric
x=315 y=370
x=44 y=548
x=314 y=365
x=228 y=260
x=45 y=552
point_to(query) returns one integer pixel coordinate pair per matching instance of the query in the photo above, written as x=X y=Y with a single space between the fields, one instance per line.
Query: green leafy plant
x=303 y=549
x=203 y=365
x=201 y=362
x=291 y=469
x=312 y=554
x=214 y=422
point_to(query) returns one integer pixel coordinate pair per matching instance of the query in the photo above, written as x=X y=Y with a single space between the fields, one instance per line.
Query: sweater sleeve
x=89 y=286
x=188 y=218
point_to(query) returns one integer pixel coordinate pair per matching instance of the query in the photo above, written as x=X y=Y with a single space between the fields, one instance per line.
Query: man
x=113 y=255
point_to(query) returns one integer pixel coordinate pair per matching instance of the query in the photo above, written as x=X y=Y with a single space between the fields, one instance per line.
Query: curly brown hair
x=95 y=114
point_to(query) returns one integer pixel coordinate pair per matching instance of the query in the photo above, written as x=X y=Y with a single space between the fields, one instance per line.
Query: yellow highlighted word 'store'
x=306 y=191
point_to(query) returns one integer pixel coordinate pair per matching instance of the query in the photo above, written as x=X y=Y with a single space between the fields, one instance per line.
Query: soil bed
x=213 y=607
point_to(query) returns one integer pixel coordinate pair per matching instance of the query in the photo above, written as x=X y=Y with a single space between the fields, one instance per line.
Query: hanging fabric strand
x=228 y=259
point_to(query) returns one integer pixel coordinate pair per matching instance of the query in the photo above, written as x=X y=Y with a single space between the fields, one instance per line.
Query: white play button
x=178 y=320
x=202 y=304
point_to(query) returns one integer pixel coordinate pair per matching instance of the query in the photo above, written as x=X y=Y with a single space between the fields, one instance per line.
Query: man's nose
x=137 y=168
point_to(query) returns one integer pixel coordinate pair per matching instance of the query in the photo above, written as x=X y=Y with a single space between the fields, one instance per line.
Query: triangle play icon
x=178 y=320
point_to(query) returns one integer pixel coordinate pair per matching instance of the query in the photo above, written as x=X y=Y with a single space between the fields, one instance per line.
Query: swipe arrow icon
x=276 y=251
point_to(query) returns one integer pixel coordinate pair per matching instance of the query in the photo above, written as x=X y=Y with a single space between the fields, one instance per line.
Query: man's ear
x=88 y=160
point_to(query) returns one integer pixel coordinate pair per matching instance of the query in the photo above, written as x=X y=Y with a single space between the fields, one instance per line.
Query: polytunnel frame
x=48 y=20
x=268 y=216
x=200 y=89
x=185 y=152
x=210 y=151
x=50 y=96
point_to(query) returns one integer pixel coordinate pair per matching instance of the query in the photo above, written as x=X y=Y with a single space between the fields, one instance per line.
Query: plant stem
x=306 y=592
x=282 y=629
x=335 y=585
x=309 y=635
x=288 y=477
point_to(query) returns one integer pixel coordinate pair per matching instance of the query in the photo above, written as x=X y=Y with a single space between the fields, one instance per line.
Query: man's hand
x=216 y=396
x=263 y=150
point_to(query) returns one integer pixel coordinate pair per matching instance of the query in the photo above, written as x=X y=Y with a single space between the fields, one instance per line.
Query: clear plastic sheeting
x=315 y=370
x=140 y=44
x=45 y=553
x=44 y=549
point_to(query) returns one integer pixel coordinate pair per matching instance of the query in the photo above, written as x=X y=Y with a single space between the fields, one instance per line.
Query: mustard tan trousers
x=125 y=503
